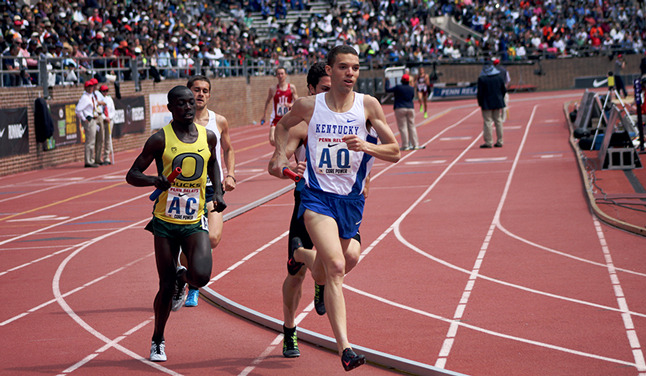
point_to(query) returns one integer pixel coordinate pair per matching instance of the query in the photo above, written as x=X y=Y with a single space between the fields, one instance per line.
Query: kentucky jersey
x=183 y=202
x=331 y=166
x=213 y=127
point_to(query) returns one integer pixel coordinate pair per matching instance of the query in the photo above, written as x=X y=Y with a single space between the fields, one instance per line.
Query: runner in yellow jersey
x=178 y=213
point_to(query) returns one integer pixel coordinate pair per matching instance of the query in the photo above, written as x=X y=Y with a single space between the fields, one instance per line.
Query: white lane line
x=60 y=299
x=475 y=271
x=629 y=326
x=487 y=331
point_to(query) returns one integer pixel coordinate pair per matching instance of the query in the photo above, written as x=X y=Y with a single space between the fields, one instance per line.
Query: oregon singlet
x=213 y=127
x=183 y=202
x=281 y=99
x=331 y=166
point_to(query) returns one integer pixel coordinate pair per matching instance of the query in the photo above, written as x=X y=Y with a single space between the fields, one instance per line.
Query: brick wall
x=242 y=102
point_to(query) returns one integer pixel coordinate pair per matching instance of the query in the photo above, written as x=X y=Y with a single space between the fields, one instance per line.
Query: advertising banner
x=130 y=116
x=159 y=114
x=66 y=125
x=14 y=137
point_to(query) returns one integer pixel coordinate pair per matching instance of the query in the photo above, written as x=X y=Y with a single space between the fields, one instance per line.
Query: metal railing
x=61 y=71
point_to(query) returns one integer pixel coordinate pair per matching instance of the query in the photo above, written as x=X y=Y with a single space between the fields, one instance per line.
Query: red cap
x=103 y=88
x=496 y=61
x=89 y=83
x=406 y=78
x=94 y=81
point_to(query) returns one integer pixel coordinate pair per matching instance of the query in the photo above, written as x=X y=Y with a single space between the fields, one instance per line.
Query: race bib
x=333 y=157
x=281 y=109
x=183 y=203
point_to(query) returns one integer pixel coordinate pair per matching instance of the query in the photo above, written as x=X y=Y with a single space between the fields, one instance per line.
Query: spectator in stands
x=11 y=66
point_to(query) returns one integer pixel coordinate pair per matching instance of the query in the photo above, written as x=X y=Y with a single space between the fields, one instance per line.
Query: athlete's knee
x=352 y=259
x=296 y=280
x=335 y=267
x=214 y=239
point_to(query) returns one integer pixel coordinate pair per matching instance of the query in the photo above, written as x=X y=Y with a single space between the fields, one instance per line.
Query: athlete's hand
x=218 y=203
x=354 y=142
x=161 y=182
x=300 y=168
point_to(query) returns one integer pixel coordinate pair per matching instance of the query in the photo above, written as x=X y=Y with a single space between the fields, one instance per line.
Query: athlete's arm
x=294 y=93
x=229 y=154
x=295 y=136
x=152 y=150
x=388 y=150
x=270 y=95
x=301 y=112
x=213 y=171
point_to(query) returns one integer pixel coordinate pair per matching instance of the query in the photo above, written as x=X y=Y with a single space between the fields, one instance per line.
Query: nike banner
x=595 y=82
x=130 y=116
x=14 y=135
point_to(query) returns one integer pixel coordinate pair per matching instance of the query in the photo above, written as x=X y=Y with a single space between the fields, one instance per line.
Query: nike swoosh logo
x=332 y=145
x=181 y=194
x=199 y=150
x=596 y=83
x=351 y=120
x=2 y=132
x=357 y=223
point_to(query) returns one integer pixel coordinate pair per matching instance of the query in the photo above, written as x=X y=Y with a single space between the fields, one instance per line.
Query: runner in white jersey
x=218 y=124
x=341 y=144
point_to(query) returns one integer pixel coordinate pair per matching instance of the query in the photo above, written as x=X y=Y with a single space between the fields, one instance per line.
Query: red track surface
x=483 y=262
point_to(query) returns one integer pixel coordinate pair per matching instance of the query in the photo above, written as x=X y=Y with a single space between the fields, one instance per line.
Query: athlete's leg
x=324 y=233
x=272 y=137
x=199 y=259
x=292 y=292
x=352 y=254
x=166 y=250
x=216 y=221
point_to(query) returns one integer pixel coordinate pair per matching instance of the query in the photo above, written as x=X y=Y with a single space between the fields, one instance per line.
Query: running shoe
x=292 y=266
x=351 y=360
x=290 y=343
x=179 y=295
x=319 y=300
x=157 y=351
x=191 y=298
x=425 y=115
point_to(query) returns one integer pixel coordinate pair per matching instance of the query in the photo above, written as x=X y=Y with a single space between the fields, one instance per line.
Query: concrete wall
x=242 y=103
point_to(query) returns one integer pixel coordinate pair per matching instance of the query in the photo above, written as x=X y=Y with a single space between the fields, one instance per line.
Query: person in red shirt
x=283 y=95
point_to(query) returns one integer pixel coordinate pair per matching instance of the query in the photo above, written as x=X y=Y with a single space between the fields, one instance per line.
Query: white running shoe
x=157 y=352
x=179 y=296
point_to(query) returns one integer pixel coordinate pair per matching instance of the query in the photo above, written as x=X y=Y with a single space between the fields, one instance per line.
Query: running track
x=481 y=262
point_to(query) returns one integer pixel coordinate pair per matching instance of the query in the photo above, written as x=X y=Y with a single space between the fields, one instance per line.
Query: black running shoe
x=319 y=300
x=292 y=266
x=290 y=343
x=351 y=360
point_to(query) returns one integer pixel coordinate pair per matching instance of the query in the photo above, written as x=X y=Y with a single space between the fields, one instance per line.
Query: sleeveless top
x=421 y=83
x=331 y=166
x=213 y=127
x=281 y=99
x=183 y=202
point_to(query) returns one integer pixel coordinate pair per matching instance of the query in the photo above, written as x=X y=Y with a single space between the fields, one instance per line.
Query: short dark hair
x=317 y=70
x=340 y=49
x=198 y=77
x=175 y=92
x=280 y=67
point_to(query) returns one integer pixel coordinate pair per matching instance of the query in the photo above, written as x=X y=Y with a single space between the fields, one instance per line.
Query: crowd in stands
x=168 y=38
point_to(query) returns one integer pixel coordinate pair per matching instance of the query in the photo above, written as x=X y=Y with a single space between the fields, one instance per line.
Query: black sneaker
x=319 y=299
x=351 y=360
x=290 y=343
x=292 y=266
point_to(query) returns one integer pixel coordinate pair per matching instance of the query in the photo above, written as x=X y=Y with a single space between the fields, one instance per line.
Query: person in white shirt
x=86 y=111
x=106 y=130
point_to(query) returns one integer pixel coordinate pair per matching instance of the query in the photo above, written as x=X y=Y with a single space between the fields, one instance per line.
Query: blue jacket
x=404 y=95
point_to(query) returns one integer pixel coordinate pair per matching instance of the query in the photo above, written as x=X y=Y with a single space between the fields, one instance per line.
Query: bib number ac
x=183 y=203
x=333 y=157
